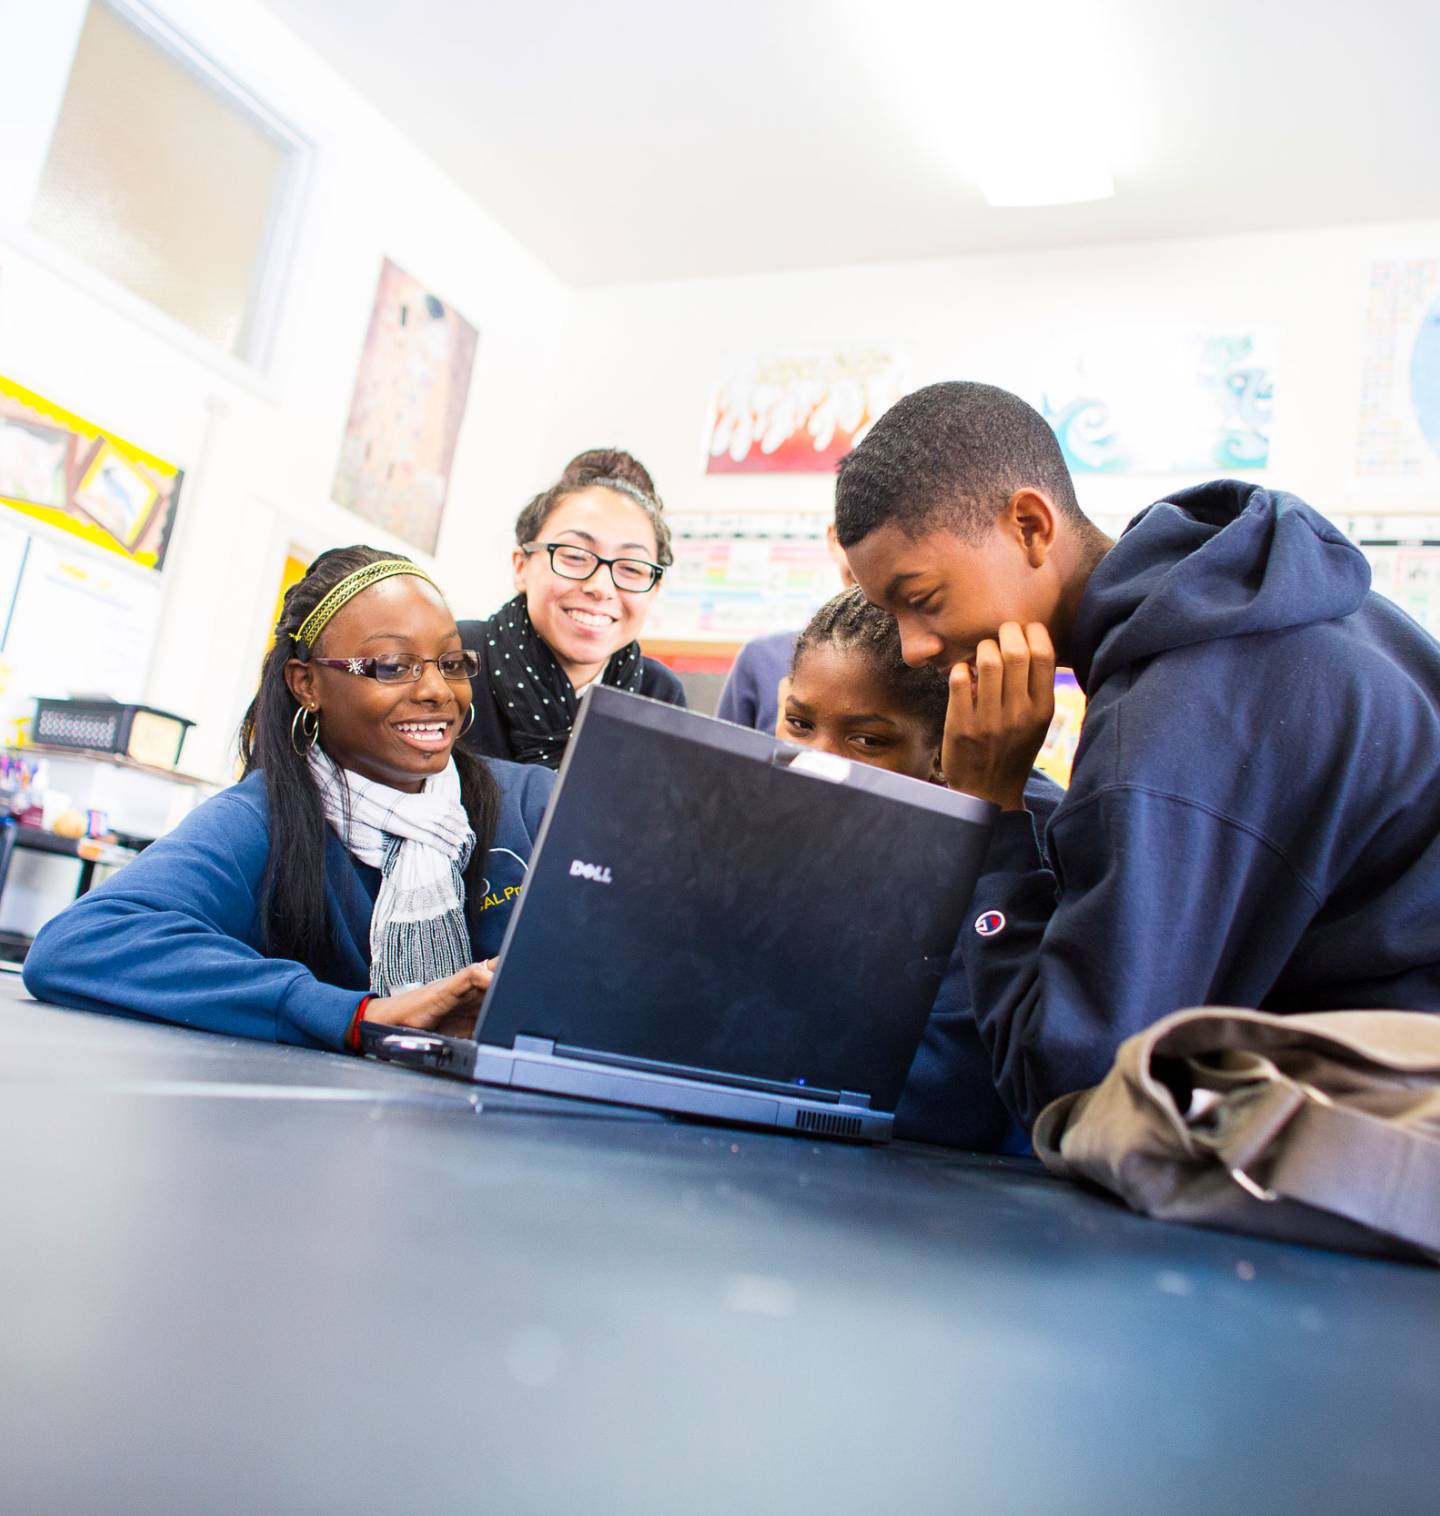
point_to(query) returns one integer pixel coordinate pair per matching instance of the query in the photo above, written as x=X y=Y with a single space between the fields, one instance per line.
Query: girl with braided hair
x=851 y=693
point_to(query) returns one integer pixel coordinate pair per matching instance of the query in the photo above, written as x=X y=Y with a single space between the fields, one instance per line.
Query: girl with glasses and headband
x=589 y=557
x=364 y=864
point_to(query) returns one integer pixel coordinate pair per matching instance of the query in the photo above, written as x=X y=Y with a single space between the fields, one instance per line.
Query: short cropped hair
x=950 y=456
x=852 y=624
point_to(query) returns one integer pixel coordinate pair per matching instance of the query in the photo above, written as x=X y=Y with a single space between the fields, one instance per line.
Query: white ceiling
x=625 y=140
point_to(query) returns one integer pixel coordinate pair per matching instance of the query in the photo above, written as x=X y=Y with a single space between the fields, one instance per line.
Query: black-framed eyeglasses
x=396 y=668
x=634 y=574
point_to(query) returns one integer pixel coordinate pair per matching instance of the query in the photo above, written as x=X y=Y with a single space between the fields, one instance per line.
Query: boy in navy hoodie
x=1253 y=818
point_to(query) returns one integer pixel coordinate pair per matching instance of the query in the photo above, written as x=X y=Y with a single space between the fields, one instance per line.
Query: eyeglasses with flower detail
x=638 y=575
x=397 y=668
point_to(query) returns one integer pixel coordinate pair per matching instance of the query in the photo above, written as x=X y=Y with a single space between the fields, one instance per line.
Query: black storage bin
x=107 y=726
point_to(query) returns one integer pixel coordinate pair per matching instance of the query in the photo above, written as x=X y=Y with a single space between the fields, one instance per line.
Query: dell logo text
x=598 y=872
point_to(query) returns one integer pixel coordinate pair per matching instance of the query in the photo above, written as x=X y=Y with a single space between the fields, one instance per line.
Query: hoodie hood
x=1225 y=559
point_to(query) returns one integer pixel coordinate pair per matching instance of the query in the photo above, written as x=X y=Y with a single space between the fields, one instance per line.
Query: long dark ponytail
x=292 y=888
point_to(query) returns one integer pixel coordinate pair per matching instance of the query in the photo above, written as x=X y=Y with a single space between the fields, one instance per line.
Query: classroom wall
x=558 y=370
x=642 y=361
x=260 y=449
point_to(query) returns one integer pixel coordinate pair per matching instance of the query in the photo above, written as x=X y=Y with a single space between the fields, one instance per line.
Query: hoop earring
x=299 y=729
x=469 y=720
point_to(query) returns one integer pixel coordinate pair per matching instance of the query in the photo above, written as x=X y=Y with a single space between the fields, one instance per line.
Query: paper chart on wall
x=81 y=626
x=14 y=543
x=736 y=577
x=1399 y=435
x=1404 y=554
x=1410 y=576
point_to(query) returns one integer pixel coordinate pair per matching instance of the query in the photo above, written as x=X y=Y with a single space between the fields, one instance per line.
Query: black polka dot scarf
x=534 y=695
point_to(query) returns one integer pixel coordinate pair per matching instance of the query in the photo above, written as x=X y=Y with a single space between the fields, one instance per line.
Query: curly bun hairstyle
x=608 y=468
x=584 y=469
x=852 y=624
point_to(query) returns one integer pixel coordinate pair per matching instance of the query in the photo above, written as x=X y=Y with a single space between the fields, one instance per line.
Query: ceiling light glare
x=1046 y=183
x=1029 y=104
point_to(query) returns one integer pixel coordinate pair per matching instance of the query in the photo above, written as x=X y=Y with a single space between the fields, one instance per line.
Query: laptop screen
x=698 y=897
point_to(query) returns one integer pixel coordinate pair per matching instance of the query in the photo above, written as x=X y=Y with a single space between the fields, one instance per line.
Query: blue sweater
x=1253 y=817
x=749 y=697
x=949 y=1096
x=175 y=935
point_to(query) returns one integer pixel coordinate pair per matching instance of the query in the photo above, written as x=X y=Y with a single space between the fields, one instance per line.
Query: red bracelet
x=352 y=1037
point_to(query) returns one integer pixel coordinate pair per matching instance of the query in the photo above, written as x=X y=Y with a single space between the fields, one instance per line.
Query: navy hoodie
x=949 y=1098
x=176 y=935
x=1253 y=818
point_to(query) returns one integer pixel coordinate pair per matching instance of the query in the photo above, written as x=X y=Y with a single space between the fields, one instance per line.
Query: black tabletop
x=243 y=1278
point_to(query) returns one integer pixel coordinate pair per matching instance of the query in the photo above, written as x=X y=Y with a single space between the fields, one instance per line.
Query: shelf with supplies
x=99 y=809
x=112 y=791
x=115 y=760
x=90 y=852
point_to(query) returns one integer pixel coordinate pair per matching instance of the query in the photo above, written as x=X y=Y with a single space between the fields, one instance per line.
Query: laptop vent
x=830 y=1126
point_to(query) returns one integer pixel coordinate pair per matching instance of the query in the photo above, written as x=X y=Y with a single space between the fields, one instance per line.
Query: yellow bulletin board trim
x=291 y=573
x=95 y=473
x=65 y=519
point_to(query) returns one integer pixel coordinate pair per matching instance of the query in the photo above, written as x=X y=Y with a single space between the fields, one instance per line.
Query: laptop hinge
x=795 y=1089
x=849 y=1097
x=524 y=1044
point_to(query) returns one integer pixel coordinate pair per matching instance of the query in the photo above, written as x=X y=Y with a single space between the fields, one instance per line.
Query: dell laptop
x=721 y=925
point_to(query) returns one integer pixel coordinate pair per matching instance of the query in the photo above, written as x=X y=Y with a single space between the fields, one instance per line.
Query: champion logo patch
x=990 y=923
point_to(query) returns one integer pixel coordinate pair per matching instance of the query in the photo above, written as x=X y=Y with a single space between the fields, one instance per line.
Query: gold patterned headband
x=348 y=588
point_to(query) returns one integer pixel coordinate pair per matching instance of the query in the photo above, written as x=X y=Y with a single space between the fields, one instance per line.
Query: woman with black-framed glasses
x=365 y=864
x=590 y=555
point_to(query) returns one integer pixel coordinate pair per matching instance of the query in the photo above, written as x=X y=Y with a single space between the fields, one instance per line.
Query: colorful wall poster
x=410 y=392
x=1165 y=401
x=738 y=576
x=1399 y=435
x=798 y=412
x=58 y=468
x=1057 y=754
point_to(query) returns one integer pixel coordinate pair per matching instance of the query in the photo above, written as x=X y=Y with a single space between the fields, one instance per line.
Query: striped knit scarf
x=421 y=844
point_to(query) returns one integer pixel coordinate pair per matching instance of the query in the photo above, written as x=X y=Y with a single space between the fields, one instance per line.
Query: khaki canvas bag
x=1321 y=1128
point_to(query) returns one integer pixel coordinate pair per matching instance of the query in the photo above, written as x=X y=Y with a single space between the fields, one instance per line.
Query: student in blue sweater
x=850 y=693
x=1253 y=817
x=363 y=864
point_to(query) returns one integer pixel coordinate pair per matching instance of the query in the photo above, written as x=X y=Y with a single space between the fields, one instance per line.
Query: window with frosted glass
x=167 y=184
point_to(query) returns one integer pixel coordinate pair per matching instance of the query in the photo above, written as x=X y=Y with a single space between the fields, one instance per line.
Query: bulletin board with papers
x=1404 y=554
x=77 y=478
x=740 y=575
